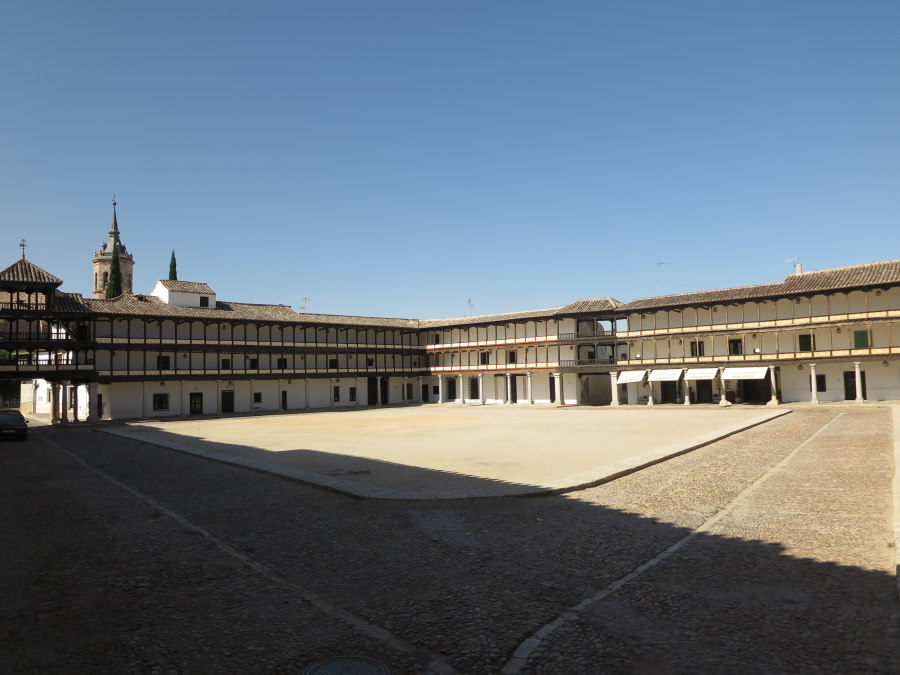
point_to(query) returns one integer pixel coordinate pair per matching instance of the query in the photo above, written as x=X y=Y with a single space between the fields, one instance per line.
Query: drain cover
x=347 y=665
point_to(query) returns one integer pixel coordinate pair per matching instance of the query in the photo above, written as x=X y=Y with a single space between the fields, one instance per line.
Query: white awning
x=665 y=375
x=630 y=376
x=701 y=373
x=757 y=373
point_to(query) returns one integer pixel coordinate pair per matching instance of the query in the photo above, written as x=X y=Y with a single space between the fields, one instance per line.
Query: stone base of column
x=724 y=402
x=772 y=403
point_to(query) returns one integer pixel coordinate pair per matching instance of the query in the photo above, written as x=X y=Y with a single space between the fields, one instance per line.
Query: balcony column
x=859 y=387
x=613 y=388
x=774 y=400
x=530 y=389
x=64 y=403
x=508 y=400
x=814 y=390
x=481 y=387
x=462 y=391
x=54 y=403
x=440 y=388
x=92 y=402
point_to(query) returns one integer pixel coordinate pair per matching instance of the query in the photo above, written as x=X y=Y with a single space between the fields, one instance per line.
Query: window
x=226 y=364
x=282 y=363
x=820 y=383
x=336 y=394
x=370 y=362
x=435 y=390
x=160 y=401
x=204 y=301
x=511 y=356
x=332 y=363
x=861 y=339
x=163 y=363
x=437 y=338
x=257 y=397
x=735 y=347
x=483 y=358
x=253 y=364
x=698 y=348
x=352 y=394
x=805 y=342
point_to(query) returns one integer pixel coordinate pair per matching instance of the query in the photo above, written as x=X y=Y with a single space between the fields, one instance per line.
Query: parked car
x=12 y=423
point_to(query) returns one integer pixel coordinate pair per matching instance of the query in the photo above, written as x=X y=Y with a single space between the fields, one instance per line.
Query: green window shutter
x=860 y=339
x=804 y=343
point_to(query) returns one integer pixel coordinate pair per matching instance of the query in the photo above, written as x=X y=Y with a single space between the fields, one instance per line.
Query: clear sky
x=400 y=158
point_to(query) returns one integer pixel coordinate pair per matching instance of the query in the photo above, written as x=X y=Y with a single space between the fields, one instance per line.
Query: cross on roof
x=22 y=245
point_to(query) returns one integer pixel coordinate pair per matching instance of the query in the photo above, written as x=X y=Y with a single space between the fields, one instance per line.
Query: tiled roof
x=577 y=307
x=870 y=275
x=187 y=286
x=24 y=272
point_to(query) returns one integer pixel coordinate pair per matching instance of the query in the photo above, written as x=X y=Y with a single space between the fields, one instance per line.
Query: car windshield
x=11 y=417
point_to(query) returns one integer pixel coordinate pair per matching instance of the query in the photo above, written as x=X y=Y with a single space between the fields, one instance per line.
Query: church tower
x=103 y=260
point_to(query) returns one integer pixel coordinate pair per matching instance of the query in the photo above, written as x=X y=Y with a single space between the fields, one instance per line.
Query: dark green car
x=13 y=425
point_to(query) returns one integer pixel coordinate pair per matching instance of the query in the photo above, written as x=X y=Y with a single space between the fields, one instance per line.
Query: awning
x=630 y=376
x=757 y=373
x=665 y=375
x=701 y=373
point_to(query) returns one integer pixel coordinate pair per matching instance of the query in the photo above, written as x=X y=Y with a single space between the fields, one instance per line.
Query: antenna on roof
x=471 y=307
x=305 y=303
x=659 y=265
x=798 y=268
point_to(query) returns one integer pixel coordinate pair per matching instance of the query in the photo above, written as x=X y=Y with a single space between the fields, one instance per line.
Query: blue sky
x=402 y=158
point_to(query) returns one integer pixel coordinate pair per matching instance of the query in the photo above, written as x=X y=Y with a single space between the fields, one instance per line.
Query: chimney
x=798 y=268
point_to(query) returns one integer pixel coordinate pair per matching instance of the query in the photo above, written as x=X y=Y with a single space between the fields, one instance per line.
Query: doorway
x=228 y=401
x=372 y=390
x=384 y=390
x=284 y=400
x=474 y=394
x=756 y=391
x=850 y=384
x=196 y=403
x=668 y=392
x=451 y=389
x=704 y=391
x=513 y=390
x=552 y=389
x=424 y=393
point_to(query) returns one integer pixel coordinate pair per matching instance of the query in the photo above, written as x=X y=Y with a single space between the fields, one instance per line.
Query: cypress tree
x=114 y=283
x=173 y=269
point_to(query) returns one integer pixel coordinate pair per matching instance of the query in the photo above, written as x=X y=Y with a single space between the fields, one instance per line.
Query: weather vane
x=22 y=245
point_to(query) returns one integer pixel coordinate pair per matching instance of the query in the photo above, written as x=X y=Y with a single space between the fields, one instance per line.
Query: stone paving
x=770 y=551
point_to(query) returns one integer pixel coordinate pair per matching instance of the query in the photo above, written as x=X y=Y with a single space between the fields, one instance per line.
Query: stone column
x=378 y=396
x=686 y=387
x=774 y=399
x=333 y=381
x=75 y=403
x=859 y=387
x=403 y=390
x=306 y=393
x=614 y=388
x=481 y=387
x=34 y=396
x=92 y=402
x=356 y=381
x=440 y=388
x=530 y=390
x=560 y=388
x=650 y=400
x=54 y=403
x=508 y=389
x=64 y=403
x=722 y=400
x=462 y=390
x=813 y=389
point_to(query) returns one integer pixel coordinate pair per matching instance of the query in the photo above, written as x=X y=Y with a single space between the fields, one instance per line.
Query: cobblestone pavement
x=766 y=552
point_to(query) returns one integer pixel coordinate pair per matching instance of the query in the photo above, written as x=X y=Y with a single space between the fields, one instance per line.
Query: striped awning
x=630 y=376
